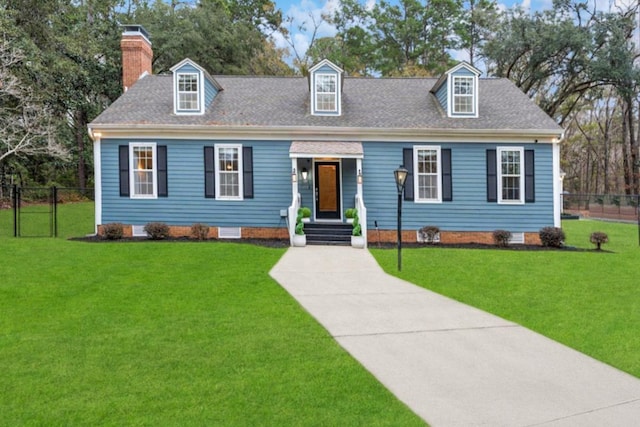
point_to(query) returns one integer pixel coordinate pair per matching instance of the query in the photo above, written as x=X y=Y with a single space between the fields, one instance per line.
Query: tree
x=26 y=127
x=407 y=37
x=477 y=24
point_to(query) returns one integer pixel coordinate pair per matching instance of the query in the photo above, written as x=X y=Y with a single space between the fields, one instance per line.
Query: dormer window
x=326 y=93
x=463 y=95
x=188 y=99
x=457 y=91
x=193 y=88
x=325 y=85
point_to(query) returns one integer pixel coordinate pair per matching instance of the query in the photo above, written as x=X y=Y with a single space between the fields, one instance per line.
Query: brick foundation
x=185 y=231
x=446 y=237
x=386 y=236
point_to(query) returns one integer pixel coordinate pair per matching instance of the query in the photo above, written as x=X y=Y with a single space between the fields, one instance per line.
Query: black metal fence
x=35 y=209
x=600 y=206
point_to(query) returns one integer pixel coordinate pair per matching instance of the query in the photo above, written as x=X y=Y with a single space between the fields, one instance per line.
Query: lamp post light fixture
x=400 y=175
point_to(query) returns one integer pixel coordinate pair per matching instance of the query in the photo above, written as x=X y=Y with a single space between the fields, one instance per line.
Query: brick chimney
x=136 y=54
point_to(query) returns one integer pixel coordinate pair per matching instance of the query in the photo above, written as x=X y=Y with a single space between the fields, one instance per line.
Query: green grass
x=74 y=219
x=587 y=300
x=169 y=333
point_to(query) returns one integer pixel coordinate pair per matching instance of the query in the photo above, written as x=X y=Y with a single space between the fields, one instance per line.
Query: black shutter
x=447 y=187
x=123 y=160
x=209 y=173
x=529 y=177
x=247 y=172
x=407 y=158
x=163 y=188
x=492 y=177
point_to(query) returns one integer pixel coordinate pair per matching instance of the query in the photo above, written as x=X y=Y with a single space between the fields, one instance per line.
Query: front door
x=327 y=188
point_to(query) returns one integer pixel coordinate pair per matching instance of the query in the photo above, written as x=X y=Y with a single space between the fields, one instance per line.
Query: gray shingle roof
x=400 y=103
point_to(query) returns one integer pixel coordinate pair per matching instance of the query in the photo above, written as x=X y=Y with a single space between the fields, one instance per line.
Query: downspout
x=557 y=184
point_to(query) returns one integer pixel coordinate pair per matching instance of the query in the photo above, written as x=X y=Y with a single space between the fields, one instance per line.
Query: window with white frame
x=427 y=174
x=188 y=92
x=143 y=169
x=228 y=171
x=463 y=95
x=510 y=175
x=326 y=92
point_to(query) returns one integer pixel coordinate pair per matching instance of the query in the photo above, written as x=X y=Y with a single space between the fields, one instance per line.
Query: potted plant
x=299 y=238
x=357 y=240
x=349 y=214
x=306 y=214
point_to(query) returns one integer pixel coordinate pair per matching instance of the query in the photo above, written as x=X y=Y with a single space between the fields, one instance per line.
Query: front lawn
x=587 y=300
x=168 y=333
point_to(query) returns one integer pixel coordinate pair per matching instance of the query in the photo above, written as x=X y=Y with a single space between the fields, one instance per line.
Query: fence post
x=54 y=192
x=16 y=205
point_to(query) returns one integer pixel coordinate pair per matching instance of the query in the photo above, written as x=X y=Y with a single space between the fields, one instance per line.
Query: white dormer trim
x=316 y=75
x=452 y=79
x=177 y=74
x=202 y=78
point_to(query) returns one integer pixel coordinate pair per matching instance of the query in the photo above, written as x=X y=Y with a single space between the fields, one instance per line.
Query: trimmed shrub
x=350 y=213
x=112 y=231
x=157 y=230
x=199 y=231
x=429 y=233
x=598 y=238
x=552 y=237
x=501 y=238
x=306 y=212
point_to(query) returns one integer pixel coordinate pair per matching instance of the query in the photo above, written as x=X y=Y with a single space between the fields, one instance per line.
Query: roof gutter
x=549 y=136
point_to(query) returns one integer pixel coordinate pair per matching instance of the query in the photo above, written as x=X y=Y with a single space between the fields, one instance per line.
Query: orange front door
x=327 y=188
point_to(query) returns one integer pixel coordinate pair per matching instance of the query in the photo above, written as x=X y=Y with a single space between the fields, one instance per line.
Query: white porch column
x=294 y=173
x=358 y=175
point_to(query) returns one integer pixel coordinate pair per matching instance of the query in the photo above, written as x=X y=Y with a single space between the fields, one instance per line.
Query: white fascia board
x=318 y=133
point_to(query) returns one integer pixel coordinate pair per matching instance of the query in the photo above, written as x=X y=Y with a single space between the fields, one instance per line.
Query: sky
x=301 y=10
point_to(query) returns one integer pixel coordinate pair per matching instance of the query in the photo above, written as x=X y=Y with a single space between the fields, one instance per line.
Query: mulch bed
x=284 y=243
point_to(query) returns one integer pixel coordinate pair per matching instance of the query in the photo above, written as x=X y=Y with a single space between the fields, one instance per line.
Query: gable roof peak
x=464 y=64
x=327 y=63
x=187 y=61
x=443 y=78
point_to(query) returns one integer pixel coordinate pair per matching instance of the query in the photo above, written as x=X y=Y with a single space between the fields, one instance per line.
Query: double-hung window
x=326 y=93
x=510 y=175
x=228 y=161
x=428 y=174
x=143 y=170
x=188 y=92
x=463 y=95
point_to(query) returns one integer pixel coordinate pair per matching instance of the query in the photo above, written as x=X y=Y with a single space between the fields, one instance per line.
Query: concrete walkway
x=452 y=364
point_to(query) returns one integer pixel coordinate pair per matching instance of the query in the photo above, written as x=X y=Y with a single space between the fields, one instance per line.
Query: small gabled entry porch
x=326 y=178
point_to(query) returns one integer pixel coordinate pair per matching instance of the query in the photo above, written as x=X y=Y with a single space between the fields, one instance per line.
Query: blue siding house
x=243 y=153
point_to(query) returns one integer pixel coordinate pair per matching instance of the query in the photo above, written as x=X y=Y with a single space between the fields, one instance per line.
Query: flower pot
x=306 y=220
x=349 y=220
x=357 y=241
x=299 y=240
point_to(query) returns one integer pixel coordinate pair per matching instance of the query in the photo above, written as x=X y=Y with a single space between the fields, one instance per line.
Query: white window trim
x=499 y=152
x=416 y=178
x=132 y=174
x=199 y=93
x=316 y=110
x=216 y=159
x=452 y=95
